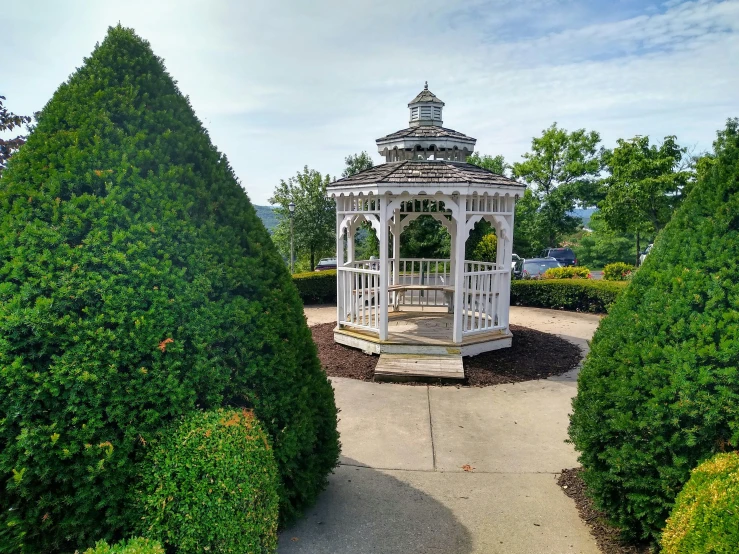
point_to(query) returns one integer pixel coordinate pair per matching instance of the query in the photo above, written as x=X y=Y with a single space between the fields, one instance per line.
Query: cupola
x=425 y=108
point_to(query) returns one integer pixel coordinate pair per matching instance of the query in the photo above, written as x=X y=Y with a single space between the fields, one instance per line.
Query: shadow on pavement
x=365 y=510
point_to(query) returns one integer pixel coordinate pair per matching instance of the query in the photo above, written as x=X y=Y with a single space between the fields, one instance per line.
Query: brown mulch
x=607 y=536
x=534 y=355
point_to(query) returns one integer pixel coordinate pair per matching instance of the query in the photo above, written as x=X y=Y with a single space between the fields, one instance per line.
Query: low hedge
x=211 y=486
x=132 y=546
x=316 y=287
x=581 y=295
x=705 y=517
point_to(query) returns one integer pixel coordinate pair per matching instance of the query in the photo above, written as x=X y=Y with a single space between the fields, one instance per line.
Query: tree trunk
x=312 y=259
x=638 y=250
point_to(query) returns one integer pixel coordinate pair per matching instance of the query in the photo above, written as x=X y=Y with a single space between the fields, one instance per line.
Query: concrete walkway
x=451 y=470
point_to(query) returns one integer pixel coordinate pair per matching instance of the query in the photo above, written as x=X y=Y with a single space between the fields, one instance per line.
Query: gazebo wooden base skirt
x=422 y=332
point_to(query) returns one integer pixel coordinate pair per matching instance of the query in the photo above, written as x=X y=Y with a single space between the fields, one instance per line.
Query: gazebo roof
x=426 y=171
x=426 y=96
x=425 y=132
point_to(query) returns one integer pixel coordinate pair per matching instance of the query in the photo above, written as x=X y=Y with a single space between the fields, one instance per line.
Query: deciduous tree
x=8 y=122
x=561 y=169
x=314 y=219
x=645 y=185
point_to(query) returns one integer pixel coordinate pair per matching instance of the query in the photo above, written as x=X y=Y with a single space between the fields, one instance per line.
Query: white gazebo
x=424 y=306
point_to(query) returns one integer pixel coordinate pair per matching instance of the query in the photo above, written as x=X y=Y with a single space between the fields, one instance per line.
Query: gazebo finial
x=426 y=85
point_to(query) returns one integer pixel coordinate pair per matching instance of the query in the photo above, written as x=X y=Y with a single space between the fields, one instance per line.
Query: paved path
x=448 y=470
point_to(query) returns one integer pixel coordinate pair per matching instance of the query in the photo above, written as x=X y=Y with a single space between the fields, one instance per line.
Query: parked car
x=565 y=256
x=643 y=253
x=326 y=263
x=533 y=268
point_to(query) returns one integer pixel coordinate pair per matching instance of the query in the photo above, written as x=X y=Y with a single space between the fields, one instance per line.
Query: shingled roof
x=425 y=132
x=425 y=171
x=426 y=96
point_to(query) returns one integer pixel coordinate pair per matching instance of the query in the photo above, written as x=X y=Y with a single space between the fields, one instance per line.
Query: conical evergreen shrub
x=136 y=284
x=659 y=391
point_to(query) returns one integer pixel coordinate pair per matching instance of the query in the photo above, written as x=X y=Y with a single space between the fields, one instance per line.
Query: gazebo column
x=350 y=242
x=397 y=229
x=458 y=267
x=339 y=263
x=383 y=300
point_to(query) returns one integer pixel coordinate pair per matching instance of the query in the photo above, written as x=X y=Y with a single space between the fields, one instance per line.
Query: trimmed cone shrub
x=569 y=272
x=618 y=271
x=132 y=546
x=212 y=486
x=705 y=519
x=137 y=284
x=660 y=389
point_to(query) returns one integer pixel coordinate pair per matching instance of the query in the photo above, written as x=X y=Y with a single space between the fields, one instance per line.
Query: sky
x=284 y=84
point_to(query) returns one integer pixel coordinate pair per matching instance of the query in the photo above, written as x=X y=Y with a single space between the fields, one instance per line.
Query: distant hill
x=583 y=214
x=268 y=216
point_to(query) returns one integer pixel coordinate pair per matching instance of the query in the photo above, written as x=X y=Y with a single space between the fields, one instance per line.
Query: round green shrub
x=705 y=518
x=131 y=546
x=618 y=271
x=569 y=272
x=659 y=390
x=212 y=486
x=137 y=284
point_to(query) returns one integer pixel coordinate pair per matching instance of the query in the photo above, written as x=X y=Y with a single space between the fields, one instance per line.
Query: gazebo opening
x=396 y=304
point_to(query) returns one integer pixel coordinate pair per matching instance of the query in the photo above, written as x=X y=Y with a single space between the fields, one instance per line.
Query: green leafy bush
x=618 y=271
x=131 y=546
x=658 y=392
x=212 y=486
x=582 y=295
x=316 y=287
x=569 y=272
x=137 y=284
x=705 y=518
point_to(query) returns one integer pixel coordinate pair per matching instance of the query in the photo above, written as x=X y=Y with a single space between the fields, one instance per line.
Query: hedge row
x=316 y=287
x=569 y=294
x=579 y=295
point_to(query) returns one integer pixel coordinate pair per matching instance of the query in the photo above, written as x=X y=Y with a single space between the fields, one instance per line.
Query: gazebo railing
x=359 y=294
x=428 y=272
x=481 y=301
x=359 y=298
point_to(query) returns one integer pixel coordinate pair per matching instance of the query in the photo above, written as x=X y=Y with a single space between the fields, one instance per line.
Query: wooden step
x=412 y=367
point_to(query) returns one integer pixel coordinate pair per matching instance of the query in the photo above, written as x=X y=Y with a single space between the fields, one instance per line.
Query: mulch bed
x=607 y=536
x=534 y=355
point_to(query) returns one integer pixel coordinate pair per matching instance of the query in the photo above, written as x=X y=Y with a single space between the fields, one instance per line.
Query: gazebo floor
x=422 y=332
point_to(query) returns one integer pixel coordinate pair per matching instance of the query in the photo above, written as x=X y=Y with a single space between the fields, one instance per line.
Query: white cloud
x=284 y=84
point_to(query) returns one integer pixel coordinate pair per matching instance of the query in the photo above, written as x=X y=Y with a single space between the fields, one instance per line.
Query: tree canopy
x=314 y=219
x=561 y=169
x=8 y=122
x=356 y=163
x=645 y=185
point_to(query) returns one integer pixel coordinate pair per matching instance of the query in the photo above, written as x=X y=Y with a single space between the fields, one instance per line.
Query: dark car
x=565 y=256
x=533 y=268
x=326 y=263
